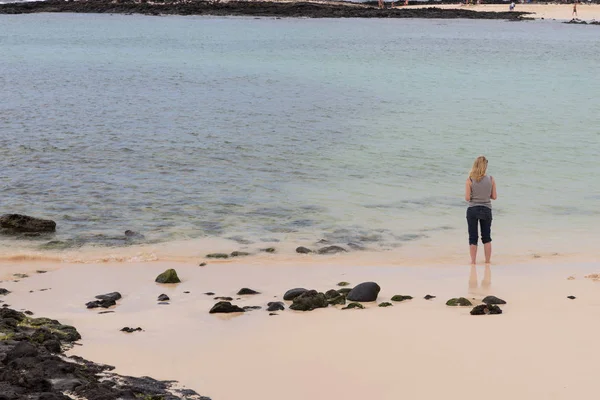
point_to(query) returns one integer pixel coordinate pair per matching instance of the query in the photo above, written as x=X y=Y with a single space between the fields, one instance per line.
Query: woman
x=480 y=190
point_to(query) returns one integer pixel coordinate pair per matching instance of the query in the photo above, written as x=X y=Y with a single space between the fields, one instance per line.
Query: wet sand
x=542 y=346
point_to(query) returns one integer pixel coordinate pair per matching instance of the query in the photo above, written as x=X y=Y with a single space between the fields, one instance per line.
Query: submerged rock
x=275 y=306
x=366 y=291
x=169 y=276
x=385 y=304
x=330 y=294
x=250 y=308
x=309 y=300
x=4 y=292
x=485 y=309
x=24 y=223
x=225 y=307
x=460 y=301
x=571 y=297
x=343 y=284
x=400 y=297
x=134 y=235
x=224 y=298
x=353 y=305
x=202 y=264
x=293 y=293
x=246 y=291
x=332 y=250
x=429 y=297
x=268 y=250
x=163 y=297
x=303 y=250
x=493 y=300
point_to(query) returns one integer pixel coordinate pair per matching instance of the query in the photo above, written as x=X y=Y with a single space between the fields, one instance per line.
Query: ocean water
x=242 y=133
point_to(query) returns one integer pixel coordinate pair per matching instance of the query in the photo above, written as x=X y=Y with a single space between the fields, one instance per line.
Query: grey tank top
x=481 y=192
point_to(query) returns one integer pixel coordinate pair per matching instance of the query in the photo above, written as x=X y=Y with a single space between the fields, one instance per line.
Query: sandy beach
x=540 y=347
x=562 y=12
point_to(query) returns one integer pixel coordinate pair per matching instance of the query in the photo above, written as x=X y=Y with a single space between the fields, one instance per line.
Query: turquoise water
x=294 y=130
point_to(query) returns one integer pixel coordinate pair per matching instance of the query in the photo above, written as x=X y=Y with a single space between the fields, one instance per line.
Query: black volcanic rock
x=309 y=300
x=493 y=300
x=364 y=292
x=246 y=291
x=225 y=307
x=14 y=223
x=293 y=293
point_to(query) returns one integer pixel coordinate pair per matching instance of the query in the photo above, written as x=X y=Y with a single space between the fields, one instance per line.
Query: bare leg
x=487 y=249
x=473 y=250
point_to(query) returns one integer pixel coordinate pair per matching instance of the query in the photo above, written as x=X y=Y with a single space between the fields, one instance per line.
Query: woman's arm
x=494 y=195
x=468 y=190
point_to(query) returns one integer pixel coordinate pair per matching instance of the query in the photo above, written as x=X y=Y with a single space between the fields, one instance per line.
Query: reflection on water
x=483 y=288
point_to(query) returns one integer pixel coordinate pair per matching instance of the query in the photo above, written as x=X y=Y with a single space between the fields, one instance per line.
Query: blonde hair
x=479 y=168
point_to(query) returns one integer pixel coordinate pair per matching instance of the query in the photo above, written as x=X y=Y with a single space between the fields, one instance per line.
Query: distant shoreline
x=254 y=9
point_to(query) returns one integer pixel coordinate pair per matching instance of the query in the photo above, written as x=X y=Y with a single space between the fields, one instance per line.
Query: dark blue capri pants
x=483 y=216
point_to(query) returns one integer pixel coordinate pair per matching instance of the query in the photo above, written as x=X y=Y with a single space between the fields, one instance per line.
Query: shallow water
x=288 y=131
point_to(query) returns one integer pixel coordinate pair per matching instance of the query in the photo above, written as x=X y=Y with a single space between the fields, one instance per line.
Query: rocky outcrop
x=309 y=301
x=252 y=8
x=225 y=307
x=17 y=223
x=293 y=293
x=366 y=291
x=169 y=276
x=33 y=366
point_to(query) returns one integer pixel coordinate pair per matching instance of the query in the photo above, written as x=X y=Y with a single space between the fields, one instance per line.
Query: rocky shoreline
x=249 y=8
x=33 y=366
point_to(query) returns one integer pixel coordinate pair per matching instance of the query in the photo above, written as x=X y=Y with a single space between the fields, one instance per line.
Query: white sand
x=542 y=347
x=586 y=12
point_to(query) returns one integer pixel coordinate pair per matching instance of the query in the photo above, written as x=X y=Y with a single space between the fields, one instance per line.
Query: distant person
x=381 y=4
x=512 y=6
x=575 y=9
x=480 y=190
x=405 y=2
